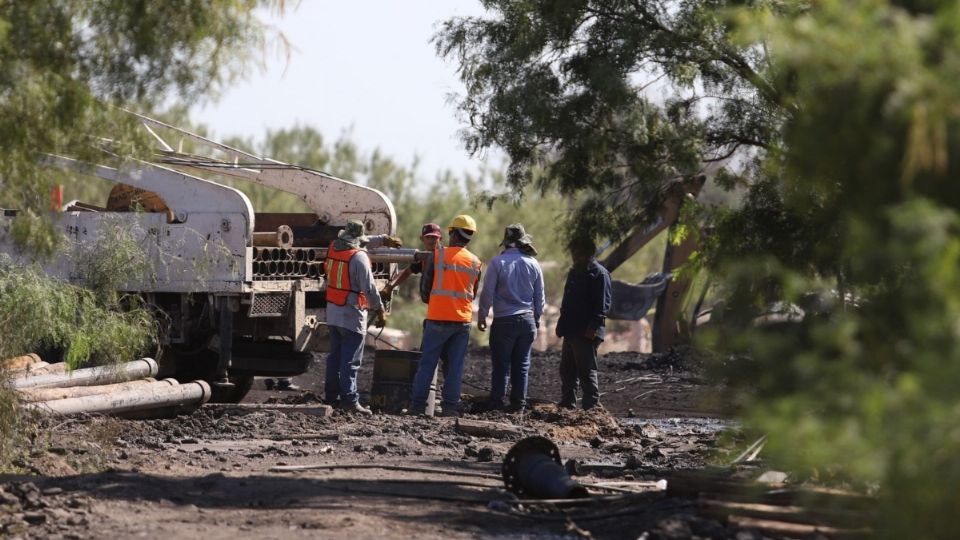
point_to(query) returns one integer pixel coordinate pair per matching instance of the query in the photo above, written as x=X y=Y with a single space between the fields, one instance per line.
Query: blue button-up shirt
x=513 y=285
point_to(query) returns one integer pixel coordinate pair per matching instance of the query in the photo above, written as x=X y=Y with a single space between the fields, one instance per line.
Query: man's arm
x=563 y=307
x=607 y=294
x=361 y=278
x=539 y=297
x=600 y=300
x=426 y=279
x=381 y=240
x=375 y=241
x=486 y=293
x=401 y=277
x=476 y=287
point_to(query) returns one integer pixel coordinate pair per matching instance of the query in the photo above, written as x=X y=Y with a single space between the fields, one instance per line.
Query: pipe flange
x=535 y=444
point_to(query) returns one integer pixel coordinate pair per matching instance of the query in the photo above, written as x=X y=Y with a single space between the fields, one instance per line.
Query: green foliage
x=66 y=69
x=68 y=66
x=854 y=219
x=52 y=315
x=563 y=88
x=841 y=121
x=113 y=260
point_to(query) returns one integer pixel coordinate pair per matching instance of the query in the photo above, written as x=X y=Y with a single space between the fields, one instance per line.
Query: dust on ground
x=209 y=475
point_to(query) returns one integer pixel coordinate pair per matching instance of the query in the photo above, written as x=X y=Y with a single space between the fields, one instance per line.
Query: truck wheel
x=241 y=385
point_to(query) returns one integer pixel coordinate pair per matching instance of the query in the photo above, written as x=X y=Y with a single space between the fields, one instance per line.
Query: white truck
x=240 y=293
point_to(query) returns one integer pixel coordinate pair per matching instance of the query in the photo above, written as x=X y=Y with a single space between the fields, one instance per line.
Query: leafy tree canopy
x=67 y=66
x=567 y=90
x=840 y=121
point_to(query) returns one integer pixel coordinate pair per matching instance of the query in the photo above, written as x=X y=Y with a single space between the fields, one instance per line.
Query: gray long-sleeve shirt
x=350 y=316
x=513 y=285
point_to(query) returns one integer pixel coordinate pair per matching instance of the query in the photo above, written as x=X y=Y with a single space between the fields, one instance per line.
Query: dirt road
x=212 y=474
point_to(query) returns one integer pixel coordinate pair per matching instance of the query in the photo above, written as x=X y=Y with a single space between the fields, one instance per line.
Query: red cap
x=431 y=229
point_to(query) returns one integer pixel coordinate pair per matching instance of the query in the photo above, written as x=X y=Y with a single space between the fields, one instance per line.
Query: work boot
x=268 y=384
x=287 y=384
x=569 y=405
x=494 y=406
x=449 y=412
x=355 y=408
x=417 y=411
x=515 y=408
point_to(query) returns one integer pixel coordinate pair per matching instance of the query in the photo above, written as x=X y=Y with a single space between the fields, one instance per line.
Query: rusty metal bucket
x=393 y=373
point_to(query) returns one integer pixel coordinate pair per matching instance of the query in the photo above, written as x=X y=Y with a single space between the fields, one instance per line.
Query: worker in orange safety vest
x=450 y=282
x=351 y=293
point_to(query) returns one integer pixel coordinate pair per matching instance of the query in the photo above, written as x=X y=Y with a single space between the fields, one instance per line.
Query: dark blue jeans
x=511 y=339
x=440 y=337
x=343 y=363
x=578 y=365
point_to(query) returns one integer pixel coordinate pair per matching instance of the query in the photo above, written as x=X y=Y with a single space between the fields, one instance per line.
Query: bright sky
x=361 y=65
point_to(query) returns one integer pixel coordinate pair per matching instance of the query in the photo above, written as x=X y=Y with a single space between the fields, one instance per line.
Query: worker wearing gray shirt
x=513 y=286
x=351 y=293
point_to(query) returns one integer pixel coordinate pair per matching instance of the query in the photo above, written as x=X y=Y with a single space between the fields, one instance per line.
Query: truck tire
x=202 y=365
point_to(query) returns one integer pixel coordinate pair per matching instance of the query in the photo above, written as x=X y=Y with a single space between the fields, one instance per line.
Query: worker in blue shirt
x=513 y=286
x=586 y=301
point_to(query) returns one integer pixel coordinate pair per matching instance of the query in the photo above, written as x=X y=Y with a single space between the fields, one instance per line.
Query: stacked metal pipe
x=106 y=389
x=275 y=263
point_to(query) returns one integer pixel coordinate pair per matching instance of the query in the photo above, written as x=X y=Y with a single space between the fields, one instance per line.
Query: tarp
x=631 y=301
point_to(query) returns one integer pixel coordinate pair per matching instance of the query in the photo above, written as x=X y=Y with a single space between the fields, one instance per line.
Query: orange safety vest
x=455 y=273
x=338 y=277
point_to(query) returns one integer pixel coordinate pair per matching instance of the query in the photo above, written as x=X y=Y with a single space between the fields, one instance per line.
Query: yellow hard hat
x=464 y=222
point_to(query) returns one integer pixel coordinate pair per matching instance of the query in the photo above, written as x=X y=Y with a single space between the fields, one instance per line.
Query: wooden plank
x=496 y=430
x=719 y=487
x=312 y=409
x=796 y=529
x=831 y=517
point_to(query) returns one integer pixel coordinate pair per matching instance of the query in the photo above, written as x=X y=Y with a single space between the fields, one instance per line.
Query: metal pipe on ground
x=20 y=362
x=138 y=369
x=282 y=237
x=39 y=368
x=159 y=394
x=33 y=395
x=532 y=468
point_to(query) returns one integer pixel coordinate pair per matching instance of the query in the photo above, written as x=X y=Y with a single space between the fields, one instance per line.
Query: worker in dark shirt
x=431 y=237
x=586 y=301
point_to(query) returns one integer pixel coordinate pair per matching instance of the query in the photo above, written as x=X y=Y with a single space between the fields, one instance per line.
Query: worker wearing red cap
x=431 y=237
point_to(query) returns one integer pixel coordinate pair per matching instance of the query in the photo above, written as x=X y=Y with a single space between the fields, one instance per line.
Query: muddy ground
x=211 y=474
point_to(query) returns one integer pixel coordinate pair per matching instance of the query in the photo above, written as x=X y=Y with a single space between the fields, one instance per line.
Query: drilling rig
x=239 y=293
